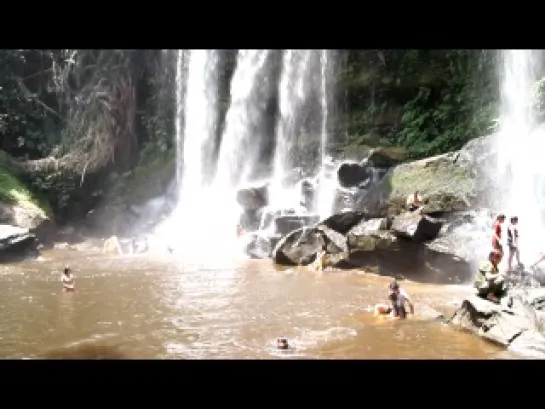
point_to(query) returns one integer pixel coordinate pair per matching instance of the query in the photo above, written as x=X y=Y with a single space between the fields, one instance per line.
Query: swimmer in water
x=68 y=281
x=396 y=309
x=282 y=343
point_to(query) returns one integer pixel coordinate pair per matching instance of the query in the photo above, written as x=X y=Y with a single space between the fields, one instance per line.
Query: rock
x=286 y=224
x=370 y=226
x=19 y=207
x=386 y=157
x=490 y=321
x=253 y=198
x=446 y=185
x=257 y=246
x=250 y=219
x=514 y=328
x=416 y=227
x=17 y=243
x=308 y=193
x=112 y=246
x=298 y=247
x=343 y=222
x=336 y=245
x=352 y=174
x=383 y=240
x=461 y=246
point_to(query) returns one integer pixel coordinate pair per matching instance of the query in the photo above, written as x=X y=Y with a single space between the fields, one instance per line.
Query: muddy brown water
x=146 y=307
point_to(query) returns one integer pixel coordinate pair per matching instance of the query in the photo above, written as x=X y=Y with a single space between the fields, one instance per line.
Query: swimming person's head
x=282 y=343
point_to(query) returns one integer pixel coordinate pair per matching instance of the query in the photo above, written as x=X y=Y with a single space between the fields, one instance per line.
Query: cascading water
x=181 y=77
x=327 y=178
x=305 y=79
x=521 y=169
x=244 y=120
x=187 y=230
x=295 y=86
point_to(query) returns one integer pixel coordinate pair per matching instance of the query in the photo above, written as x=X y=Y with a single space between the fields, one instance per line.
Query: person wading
x=68 y=280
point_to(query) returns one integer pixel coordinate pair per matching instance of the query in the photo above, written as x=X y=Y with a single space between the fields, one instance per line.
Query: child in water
x=67 y=279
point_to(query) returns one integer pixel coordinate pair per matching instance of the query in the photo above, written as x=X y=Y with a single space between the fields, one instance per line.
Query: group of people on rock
x=489 y=281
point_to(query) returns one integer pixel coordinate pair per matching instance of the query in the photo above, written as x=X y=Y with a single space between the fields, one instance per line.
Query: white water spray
x=195 y=224
x=521 y=146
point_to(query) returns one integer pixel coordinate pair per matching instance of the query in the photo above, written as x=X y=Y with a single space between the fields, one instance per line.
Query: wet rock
x=343 y=222
x=308 y=193
x=416 y=227
x=286 y=224
x=298 y=247
x=257 y=246
x=352 y=174
x=336 y=245
x=514 y=328
x=250 y=220
x=383 y=157
x=17 y=243
x=253 y=198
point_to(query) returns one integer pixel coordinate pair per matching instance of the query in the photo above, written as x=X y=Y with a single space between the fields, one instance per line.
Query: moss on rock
x=445 y=185
x=18 y=205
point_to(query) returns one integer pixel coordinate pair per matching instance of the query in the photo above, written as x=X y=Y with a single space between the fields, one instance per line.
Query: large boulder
x=517 y=328
x=254 y=197
x=17 y=243
x=352 y=174
x=343 y=222
x=445 y=183
x=298 y=247
x=285 y=224
x=417 y=227
x=336 y=245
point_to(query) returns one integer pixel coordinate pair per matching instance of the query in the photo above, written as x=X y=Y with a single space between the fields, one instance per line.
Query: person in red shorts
x=496 y=238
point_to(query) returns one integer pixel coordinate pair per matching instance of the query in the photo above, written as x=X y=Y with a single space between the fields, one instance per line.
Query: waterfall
x=243 y=131
x=520 y=146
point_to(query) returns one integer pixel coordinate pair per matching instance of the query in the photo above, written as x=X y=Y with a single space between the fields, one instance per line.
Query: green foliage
x=427 y=101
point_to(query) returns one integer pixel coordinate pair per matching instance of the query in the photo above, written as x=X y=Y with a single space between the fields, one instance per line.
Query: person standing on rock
x=490 y=284
x=513 y=242
x=398 y=297
x=414 y=202
x=497 y=227
x=67 y=279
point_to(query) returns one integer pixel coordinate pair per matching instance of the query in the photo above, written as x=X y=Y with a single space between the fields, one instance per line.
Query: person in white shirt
x=398 y=298
x=513 y=242
x=67 y=279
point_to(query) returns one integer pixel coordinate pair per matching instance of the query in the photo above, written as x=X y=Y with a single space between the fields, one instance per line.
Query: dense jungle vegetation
x=74 y=124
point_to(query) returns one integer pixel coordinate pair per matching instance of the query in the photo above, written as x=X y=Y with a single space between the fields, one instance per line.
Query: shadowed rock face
x=17 y=243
